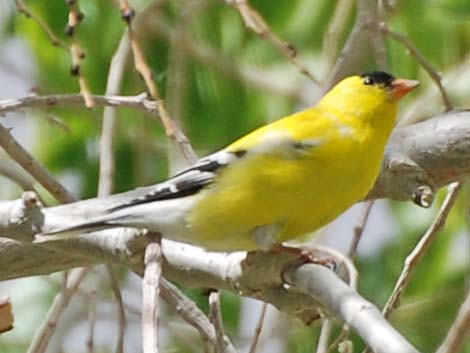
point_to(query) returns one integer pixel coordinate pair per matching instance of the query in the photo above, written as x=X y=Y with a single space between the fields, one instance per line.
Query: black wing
x=187 y=182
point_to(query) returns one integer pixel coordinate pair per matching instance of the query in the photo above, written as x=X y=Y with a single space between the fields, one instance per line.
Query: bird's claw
x=304 y=256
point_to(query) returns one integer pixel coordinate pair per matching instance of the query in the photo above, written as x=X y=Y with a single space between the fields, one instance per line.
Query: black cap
x=381 y=78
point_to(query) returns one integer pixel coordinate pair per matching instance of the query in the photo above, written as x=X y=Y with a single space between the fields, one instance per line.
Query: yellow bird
x=279 y=182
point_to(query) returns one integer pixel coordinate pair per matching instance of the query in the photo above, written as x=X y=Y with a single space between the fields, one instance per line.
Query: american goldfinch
x=279 y=182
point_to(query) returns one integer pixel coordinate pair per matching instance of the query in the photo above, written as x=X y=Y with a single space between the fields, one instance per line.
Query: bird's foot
x=306 y=255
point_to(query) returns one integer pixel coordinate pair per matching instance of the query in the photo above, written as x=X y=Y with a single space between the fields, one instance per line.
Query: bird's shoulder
x=307 y=128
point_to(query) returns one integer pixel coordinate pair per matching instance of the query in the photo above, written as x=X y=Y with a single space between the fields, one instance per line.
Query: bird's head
x=370 y=96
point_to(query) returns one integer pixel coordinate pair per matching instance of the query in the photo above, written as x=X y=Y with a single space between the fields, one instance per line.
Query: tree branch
x=77 y=54
x=256 y=23
x=140 y=102
x=424 y=157
x=356 y=51
x=420 y=249
x=151 y=297
x=427 y=66
x=15 y=173
x=258 y=329
x=108 y=129
x=33 y=167
x=107 y=164
x=343 y=302
x=215 y=317
x=210 y=57
x=432 y=153
x=61 y=301
x=25 y=10
x=458 y=330
x=190 y=312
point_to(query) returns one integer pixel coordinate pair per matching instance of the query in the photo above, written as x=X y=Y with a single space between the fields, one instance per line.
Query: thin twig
x=107 y=165
x=140 y=101
x=429 y=99
x=255 y=22
x=325 y=333
x=103 y=297
x=459 y=329
x=214 y=60
x=33 y=167
x=190 y=312
x=215 y=315
x=15 y=173
x=426 y=65
x=90 y=343
x=378 y=44
x=177 y=82
x=150 y=296
x=359 y=228
x=120 y=306
x=258 y=329
x=336 y=26
x=21 y=6
x=171 y=129
x=375 y=36
x=46 y=329
x=342 y=337
x=355 y=52
x=55 y=121
x=420 y=249
x=76 y=52
x=108 y=129
x=147 y=74
x=177 y=63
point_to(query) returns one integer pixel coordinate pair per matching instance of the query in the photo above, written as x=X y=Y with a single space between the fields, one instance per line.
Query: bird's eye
x=368 y=80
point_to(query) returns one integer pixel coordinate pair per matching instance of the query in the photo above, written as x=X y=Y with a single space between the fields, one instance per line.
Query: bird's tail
x=93 y=225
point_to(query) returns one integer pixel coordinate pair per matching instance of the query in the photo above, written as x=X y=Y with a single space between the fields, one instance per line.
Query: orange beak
x=401 y=87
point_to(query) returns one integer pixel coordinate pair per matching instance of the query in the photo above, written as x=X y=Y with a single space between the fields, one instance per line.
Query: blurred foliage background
x=214 y=103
